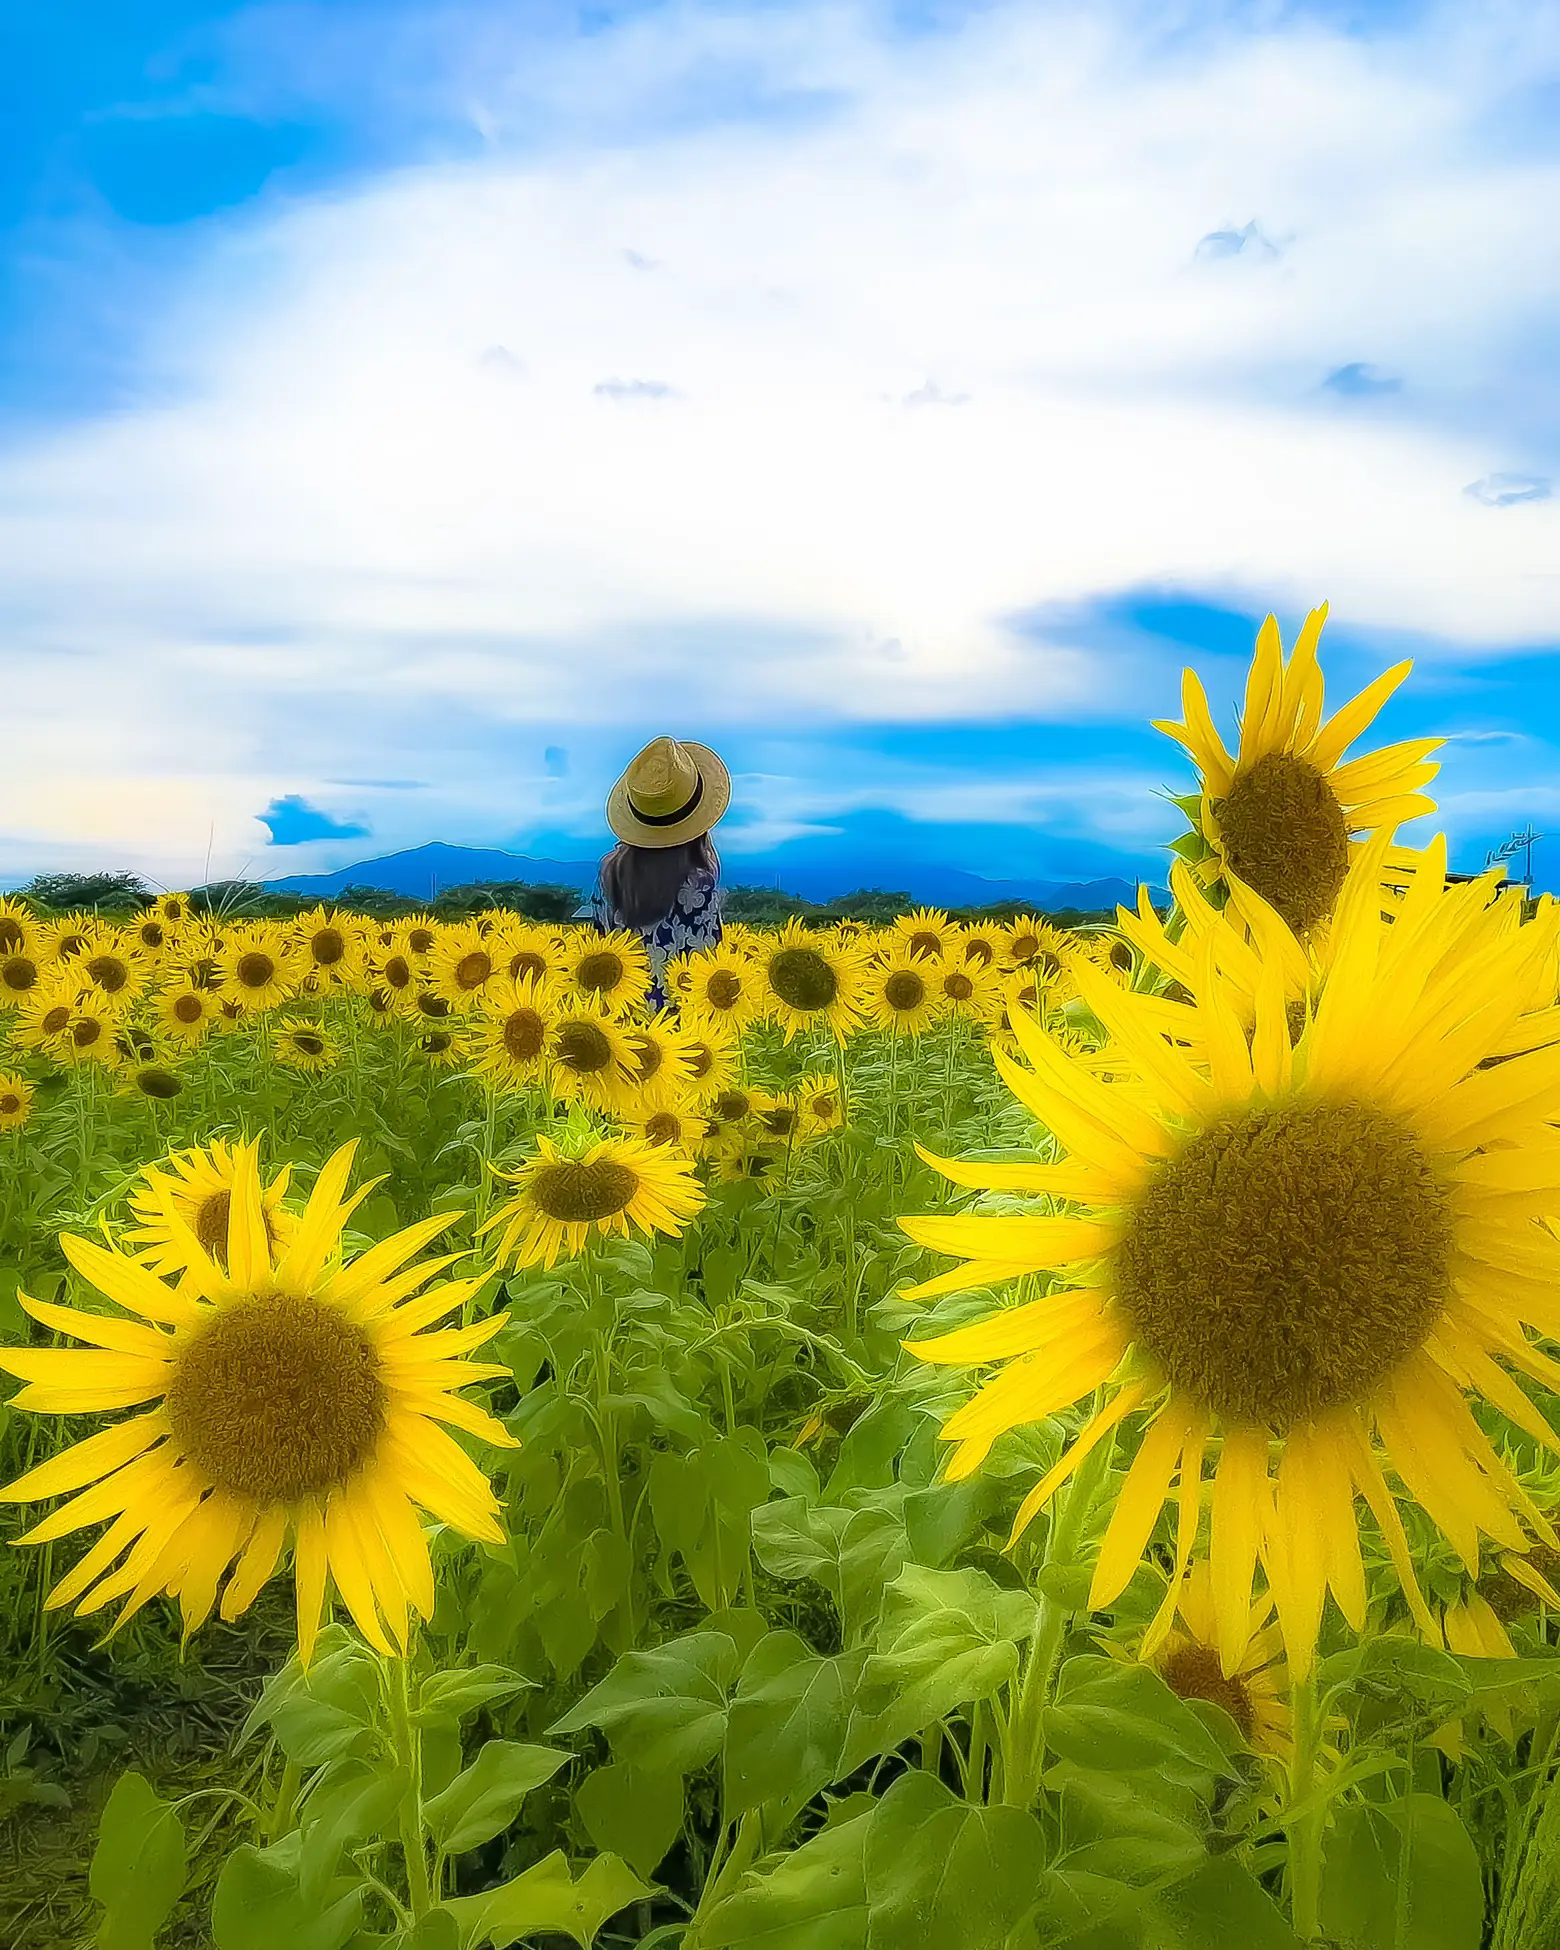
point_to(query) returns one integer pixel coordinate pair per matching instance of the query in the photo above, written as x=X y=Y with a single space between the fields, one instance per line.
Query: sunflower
x=660 y=1068
x=714 y=1058
x=809 y=984
x=293 y=1394
x=526 y=948
x=43 y=1015
x=259 y=968
x=1024 y=993
x=1187 y=1660
x=1110 y=951
x=20 y=969
x=969 y=989
x=720 y=985
x=902 y=995
x=332 y=948
x=617 y=1185
x=110 y=972
x=679 y=1130
x=154 y=1080
x=187 y=1014
x=199 y=1184
x=776 y=1116
x=89 y=1035
x=413 y=934
x=1032 y=943
x=459 y=966
x=443 y=1050
x=506 y=1041
x=1295 y=1247
x=65 y=938
x=173 y=910
x=977 y=943
x=731 y=1110
x=18 y=927
x=925 y=931
x=16 y=1101
x=742 y=938
x=393 y=972
x=589 y=1057
x=1280 y=813
x=303 y=1045
x=820 y=1105
x=612 y=970
x=745 y=1160
x=149 y=936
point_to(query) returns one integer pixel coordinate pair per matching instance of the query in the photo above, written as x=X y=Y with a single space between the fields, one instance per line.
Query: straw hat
x=670 y=793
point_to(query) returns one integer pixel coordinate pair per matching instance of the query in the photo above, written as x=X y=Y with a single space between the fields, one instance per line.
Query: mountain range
x=420 y=872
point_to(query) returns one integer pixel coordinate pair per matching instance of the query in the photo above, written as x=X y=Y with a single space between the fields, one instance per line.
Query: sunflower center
x=923 y=942
x=437 y=1043
x=665 y=1127
x=600 y=971
x=1283 y=832
x=648 y=1057
x=1287 y=1260
x=802 y=978
x=150 y=934
x=328 y=946
x=398 y=972
x=583 y=1047
x=307 y=1043
x=1507 y=1596
x=158 y=1083
x=904 y=990
x=527 y=962
x=187 y=1008
x=254 y=970
x=1193 y=1672
x=524 y=1035
x=1120 y=956
x=779 y=1120
x=723 y=989
x=279 y=1397
x=957 y=987
x=420 y=940
x=472 y=970
x=86 y=1032
x=731 y=1105
x=1025 y=947
x=56 y=1019
x=429 y=1004
x=11 y=936
x=109 y=973
x=978 y=952
x=571 y=1189
x=19 y=973
x=824 y=1105
x=702 y=1059
x=10 y=1104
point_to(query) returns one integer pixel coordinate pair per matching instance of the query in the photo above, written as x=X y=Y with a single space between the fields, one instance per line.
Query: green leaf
x=814 y=1899
x=785 y=1734
x=436 y=1930
x=1109 y=1828
x=1121 y=1717
x=632 y=1813
x=665 y=1709
x=139 y=1866
x=1404 y=1876
x=452 y=1695
x=481 y=1802
x=546 y=1897
x=259 y=1903
x=942 y=1875
x=360 y=1802
x=328 y=1711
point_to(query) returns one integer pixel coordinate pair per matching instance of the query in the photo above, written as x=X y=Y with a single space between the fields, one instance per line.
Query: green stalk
x=1023 y=1749
x=408 y=1753
x=1305 y=1830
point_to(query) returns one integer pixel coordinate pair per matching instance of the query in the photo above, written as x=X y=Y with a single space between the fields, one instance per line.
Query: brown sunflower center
x=279 y=1397
x=437 y=1043
x=328 y=946
x=731 y=1105
x=11 y=936
x=307 y=1043
x=397 y=972
x=600 y=971
x=526 y=961
x=648 y=1057
x=19 y=973
x=56 y=1018
x=1120 y=956
x=904 y=990
x=978 y=952
x=10 y=1104
x=150 y=934
x=420 y=940
x=1287 y=1260
x=158 y=1083
x=86 y=1033
x=825 y=1104
x=429 y=1004
x=665 y=1127
x=108 y=973
x=1024 y=947
x=803 y=979
x=958 y=987
x=723 y=990
x=472 y=970
x=1283 y=832
x=779 y=1120
x=524 y=1034
x=1194 y=1672
x=924 y=942
x=1509 y=1597
x=572 y=1189
x=254 y=970
x=187 y=1009
x=701 y=1059
x=582 y=1047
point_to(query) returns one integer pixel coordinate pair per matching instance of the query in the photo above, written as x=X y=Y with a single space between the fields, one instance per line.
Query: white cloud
x=329 y=447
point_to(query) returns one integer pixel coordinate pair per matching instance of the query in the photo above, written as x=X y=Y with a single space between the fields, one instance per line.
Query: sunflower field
x=943 y=1437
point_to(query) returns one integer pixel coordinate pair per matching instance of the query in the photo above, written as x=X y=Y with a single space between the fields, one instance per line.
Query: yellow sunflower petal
x=1140 y=1501
x=85 y=1462
x=1132 y=1395
x=1237 y=1520
x=1355 y=717
x=256 y=1563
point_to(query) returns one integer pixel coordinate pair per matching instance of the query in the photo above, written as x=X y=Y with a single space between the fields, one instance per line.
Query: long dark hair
x=642 y=882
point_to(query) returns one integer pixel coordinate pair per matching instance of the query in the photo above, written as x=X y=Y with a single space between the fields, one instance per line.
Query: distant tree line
x=124 y=894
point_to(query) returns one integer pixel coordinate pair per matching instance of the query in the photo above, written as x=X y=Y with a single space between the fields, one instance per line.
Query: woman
x=663 y=880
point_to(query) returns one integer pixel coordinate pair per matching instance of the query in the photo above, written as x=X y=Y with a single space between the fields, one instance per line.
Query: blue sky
x=408 y=410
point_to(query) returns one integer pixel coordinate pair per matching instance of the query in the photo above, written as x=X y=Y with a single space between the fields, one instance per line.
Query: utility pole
x=1518 y=843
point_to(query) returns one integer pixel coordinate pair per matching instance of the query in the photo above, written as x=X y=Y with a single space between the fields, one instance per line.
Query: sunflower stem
x=1305 y=1828
x=1023 y=1744
x=408 y=1753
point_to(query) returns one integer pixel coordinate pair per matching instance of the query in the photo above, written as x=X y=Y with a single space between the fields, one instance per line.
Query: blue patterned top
x=694 y=922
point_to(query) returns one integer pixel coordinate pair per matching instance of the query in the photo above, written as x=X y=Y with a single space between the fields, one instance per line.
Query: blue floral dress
x=694 y=922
